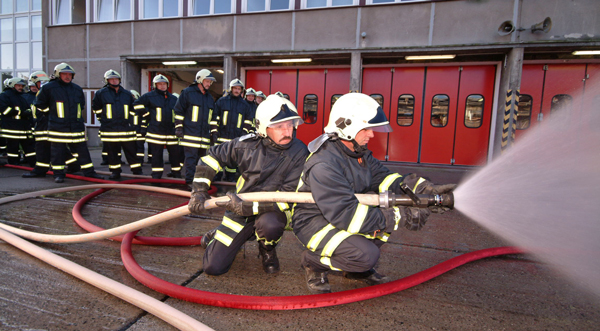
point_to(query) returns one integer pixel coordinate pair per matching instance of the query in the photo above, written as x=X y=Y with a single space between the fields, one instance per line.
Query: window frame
x=305 y=112
x=482 y=111
x=530 y=112
x=114 y=11
x=329 y=4
x=160 y=10
x=291 y=6
x=190 y=8
x=412 y=117
x=370 y=2
x=447 y=111
x=54 y=11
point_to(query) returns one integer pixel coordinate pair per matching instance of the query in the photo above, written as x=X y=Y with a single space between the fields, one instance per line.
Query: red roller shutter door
x=284 y=81
x=337 y=82
x=532 y=85
x=566 y=81
x=378 y=81
x=471 y=142
x=311 y=84
x=590 y=119
x=259 y=80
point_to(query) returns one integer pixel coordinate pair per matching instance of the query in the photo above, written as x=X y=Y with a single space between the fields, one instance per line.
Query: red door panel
x=259 y=80
x=403 y=142
x=472 y=130
x=378 y=81
x=564 y=81
x=438 y=141
x=532 y=84
x=590 y=117
x=284 y=81
x=311 y=83
x=337 y=82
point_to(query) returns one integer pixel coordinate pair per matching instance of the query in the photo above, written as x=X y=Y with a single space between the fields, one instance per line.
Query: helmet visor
x=379 y=123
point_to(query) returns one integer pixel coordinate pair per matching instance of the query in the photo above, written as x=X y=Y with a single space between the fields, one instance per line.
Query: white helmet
x=111 y=74
x=260 y=94
x=63 y=67
x=159 y=79
x=15 y=81
x=250 y=91
x=38 y=76
x=236 y=82
x=353 y=112
x=202 y=75
x=275 y=110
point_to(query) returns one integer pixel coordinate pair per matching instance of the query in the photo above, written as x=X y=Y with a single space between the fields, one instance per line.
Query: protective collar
x=314 y=145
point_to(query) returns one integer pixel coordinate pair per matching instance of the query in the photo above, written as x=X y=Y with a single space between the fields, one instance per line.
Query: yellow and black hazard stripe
x=510 y=116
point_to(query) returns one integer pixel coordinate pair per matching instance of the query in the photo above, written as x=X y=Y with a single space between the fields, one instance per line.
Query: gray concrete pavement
x=507 y=293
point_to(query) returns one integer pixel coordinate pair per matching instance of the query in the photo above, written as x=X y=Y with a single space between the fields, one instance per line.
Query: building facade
x=499 y=66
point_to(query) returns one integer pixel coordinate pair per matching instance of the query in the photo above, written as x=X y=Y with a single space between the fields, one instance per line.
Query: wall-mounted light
x=307 y=59
x=178 y=63
x=220 y=71
x=594 y=52
x=430 y=57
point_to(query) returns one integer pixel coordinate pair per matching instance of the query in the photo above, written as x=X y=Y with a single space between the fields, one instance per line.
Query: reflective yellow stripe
x=223 y=238
x=417 y=184
x=283 y=206
x=225 y=117
x=202 y=180
x=126 y=108
x=8 y=109
x=240 y=184
x=228 y=222
x=327 y=261
x=239 y=125
x=255 y=208
x=78 y=110
x=385 y=185
x=359 y=217
x=195 y=114
x=212 y=162
x=210 y=116
x=334 y=242
x=136 y=107
x=314 y=242
x=85 y=166
x=60 y=110
x=109 y=111
x=136 y=120
x=158 y=114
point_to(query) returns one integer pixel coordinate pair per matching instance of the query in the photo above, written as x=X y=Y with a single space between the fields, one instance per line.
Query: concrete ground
x=507 y=293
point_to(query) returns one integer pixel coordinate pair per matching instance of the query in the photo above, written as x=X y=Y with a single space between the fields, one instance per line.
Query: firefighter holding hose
x=270 y=159
x=339 y=232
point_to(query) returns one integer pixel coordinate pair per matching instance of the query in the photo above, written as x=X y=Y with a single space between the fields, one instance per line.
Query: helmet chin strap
x=358 y=148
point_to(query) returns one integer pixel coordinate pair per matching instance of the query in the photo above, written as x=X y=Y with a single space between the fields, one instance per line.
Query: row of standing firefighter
x=186 y=126
x=338 y=232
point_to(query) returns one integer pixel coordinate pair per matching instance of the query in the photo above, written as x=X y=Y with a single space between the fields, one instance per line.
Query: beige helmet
x=159 y=79
x=250 y=91
x=38 y=76
x=136 y=94
x=279 y=94
x=63 y=67
x=111 y=74
x=260 y=94
x=236 y=82
x=204 y=74
x=275 y=110
x=353 y=112
x=16 y=81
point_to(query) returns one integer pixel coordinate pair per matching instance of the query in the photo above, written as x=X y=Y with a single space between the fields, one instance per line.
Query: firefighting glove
x=179 y=132
x=414 y=218
x=214 y=138
x=196 y=204
x=202 y=178
x=392 y=218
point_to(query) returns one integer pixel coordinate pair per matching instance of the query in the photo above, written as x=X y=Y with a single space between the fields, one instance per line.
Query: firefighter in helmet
x=260 y=97
x=64 y=103
x=251 y=100
x=340 y=233
x=194 y=117
x=269 y=160
x=113 y=105
x=157 y=107
x=16 y=122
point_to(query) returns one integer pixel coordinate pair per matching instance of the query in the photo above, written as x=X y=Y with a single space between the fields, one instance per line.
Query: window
x=36 y=27
x=160 y=8
x=112 y=10
x=6 y=30
x=63 y=12
x=36 y=5
x=267 y=5
x=36 y=54
x=22 y=28
x=209 y=7
x=374 y=2
x=6 y=56
x=22 y=50
x=474 y=111
x=378 y=98
x=6 y=6
x=561 y=102
x=439 y=110
x=311 y=108
x=406 y=109
x=327 y=3
x=524 y=112
x=22 y=6
x=335 y=98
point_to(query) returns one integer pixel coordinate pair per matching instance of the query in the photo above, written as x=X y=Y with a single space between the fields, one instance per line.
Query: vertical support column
x=230 y=71
x=355 y=71
x=508 y=101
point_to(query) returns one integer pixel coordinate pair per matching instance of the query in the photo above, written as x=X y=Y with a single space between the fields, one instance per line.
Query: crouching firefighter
x=340 y=233
x=269 y=160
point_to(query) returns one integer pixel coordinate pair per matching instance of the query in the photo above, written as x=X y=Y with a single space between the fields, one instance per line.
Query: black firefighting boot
x=115 y=175
x=316 y=281
x=270 y=261
x=371 y=277
x=207 y=238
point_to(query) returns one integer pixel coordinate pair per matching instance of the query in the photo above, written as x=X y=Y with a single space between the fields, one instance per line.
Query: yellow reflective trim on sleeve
x=78 y=110
x=109 y=114
x=334 y=242
x=228 y=222
x=158 y=114
x=136 y=107
x=385 y=184
x=283 y=206
x=126 y=111
x=316 y=239
x=8 y=109
x=327 y=261
x=421 y=179
x=223 y=238
x=202 y=180
x=210 y=111
x=359 y=217
x=212 y=162
x=239 y=184
x=225 y=117
x=255 y=208
x=239 y=124
x=60 y=109
x=179 y=117
x=195 y=114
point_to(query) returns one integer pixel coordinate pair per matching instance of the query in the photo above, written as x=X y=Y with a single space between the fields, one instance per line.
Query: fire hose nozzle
x=389 y=199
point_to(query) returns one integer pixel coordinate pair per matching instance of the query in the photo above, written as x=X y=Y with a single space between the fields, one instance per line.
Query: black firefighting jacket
x=253 y=107
x=195 y=112
x=333 y=175
x=157 y=107
x=63 y=103
x=115 y=112
x=263 y=165
x=16 y=113
x=235 y=117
